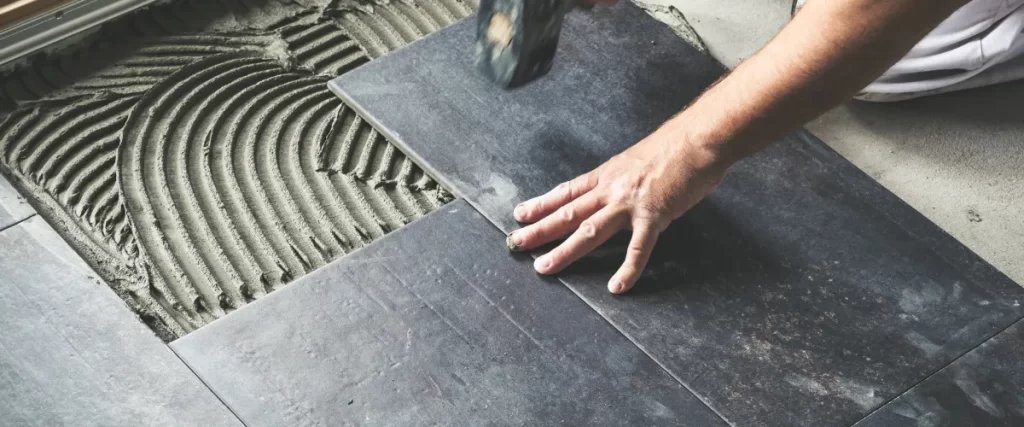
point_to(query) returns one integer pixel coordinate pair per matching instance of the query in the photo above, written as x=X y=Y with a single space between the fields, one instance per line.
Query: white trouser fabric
x=980 y=44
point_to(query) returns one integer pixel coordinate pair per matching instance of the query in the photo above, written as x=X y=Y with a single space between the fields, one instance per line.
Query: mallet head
x=516 y=39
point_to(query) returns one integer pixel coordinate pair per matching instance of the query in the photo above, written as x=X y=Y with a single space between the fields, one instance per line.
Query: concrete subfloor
x=956 y=158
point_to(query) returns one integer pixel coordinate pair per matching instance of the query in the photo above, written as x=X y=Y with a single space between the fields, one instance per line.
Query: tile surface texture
x=435 y=324
x=983 y=388
x=955 y=157
x=589 y=106
x=799 y=280
x=71 y=353
x=13 y=207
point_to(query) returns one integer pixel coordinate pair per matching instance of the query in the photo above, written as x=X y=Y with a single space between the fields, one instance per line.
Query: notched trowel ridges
x=203 y=163
x=381 y=26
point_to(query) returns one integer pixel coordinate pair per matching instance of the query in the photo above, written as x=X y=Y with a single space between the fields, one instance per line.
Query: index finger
x=593 y=232
x=539 y=207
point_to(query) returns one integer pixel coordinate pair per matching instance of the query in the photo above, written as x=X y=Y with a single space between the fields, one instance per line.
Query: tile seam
x=207 y=386
x=643 y=350
x=936 y=371
x=700 y=398
x=458 y=192
x=18 y=222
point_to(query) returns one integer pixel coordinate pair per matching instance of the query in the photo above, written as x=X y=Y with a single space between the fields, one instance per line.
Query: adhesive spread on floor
x=195 y=158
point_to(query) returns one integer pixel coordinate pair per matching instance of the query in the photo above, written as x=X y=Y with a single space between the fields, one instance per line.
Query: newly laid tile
x=434 y=324
x=799 y=293
x=617 y=75
x=13 y=207
x=72 y=354
x=983 y=388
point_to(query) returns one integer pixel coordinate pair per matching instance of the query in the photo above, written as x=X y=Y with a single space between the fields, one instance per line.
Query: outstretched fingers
x=539 y=207
x=645 y=235
x=557 y=225
x=586 y=211
x=591 y=233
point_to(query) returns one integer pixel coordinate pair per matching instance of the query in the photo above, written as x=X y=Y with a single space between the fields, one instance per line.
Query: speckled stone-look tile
x=985 y=387
x=799 y=293
x=434 y=324
x=72 y=354
x=496 y=147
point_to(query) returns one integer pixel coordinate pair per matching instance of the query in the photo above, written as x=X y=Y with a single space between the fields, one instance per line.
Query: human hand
x=644 y=189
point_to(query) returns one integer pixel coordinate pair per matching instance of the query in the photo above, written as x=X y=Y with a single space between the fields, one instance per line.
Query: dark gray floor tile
x=13 y=207
x=72 y=354
x=799 y=293
x=498 y=147
x=984 y=388
x=434 y=324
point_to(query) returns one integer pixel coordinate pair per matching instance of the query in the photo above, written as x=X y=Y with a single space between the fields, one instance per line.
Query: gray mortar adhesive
x=192 y=154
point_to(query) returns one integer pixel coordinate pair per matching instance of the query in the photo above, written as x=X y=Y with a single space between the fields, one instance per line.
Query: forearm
x=828 y=52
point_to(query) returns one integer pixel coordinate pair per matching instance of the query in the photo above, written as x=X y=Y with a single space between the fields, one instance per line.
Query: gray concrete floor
x=957 y=158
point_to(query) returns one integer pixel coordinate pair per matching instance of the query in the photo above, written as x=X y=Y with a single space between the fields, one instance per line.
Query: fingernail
x=512 y=241
x=615 y=286
x=542 y=264
x=518 y=211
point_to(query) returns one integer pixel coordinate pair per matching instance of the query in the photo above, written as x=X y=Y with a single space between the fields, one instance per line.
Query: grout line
x=649 y=355
x=15 y=223
x=936 y=372
x=201 y=380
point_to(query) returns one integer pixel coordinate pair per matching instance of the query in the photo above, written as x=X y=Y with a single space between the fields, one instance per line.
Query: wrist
x=686 y=144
